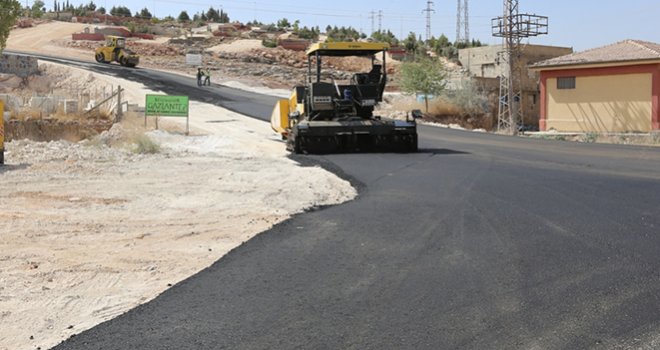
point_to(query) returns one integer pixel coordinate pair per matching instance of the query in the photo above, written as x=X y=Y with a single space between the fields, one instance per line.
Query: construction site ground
x=91 y=229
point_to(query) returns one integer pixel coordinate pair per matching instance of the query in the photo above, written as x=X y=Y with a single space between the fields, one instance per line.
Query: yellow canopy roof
x=347 y=49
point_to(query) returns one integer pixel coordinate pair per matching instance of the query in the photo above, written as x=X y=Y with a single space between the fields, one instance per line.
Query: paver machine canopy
x=330 y=115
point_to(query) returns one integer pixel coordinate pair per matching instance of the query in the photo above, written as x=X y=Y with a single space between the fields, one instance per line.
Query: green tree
x=120 y=11
x=342 y=34
x=425 y=76
x=213 y=15
x=37 y=9
x=101 y=10
x=411 y=44
x=283 y=23
x=131 y=27
x=11 y=9
x=306 y=33
x=385 y=37
x=78 y=11
x=443 y=41
x=183 y=17
x=461 y=45
x=144 y=13
x=440 y=45
x=472 y=100
x=224 y=17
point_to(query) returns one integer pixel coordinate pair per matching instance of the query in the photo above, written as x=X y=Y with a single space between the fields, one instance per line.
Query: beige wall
x=612 y=103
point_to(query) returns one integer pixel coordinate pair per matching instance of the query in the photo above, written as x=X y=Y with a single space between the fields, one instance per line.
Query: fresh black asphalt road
x=478 y=241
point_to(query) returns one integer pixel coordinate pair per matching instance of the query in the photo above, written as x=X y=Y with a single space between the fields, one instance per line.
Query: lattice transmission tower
x=462 y=22
x=512 y=27
x=373 y=17
x=428 y=11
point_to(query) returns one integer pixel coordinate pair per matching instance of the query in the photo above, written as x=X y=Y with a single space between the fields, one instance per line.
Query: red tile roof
x=623 y=51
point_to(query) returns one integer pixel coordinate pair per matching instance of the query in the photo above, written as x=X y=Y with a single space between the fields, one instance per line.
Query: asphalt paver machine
x=331 y=116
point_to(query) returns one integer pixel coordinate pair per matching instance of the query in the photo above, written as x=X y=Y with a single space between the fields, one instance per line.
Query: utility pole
x=372 y=16
x=428 y=11
x=466 y=21
x=380 y=21
x=462 y=22
x=512 y=27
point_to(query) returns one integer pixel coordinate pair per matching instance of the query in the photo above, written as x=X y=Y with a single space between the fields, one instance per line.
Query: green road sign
x=167 y=106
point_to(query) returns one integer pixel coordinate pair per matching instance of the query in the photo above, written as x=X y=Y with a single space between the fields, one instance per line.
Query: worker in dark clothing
x=207 y=75
x=199 y=77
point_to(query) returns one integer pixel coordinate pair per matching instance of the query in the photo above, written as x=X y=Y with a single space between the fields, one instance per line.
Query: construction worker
x=199 y=76
x=207 y=79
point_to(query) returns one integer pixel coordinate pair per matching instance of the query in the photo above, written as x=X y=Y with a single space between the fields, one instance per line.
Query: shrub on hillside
x=269 y=43
x=144 y=145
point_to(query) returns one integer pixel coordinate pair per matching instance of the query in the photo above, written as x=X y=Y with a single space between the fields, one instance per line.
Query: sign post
x=194 y=59
x=167 y=106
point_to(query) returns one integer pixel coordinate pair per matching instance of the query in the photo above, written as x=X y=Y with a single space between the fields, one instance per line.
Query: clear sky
x=581 y=24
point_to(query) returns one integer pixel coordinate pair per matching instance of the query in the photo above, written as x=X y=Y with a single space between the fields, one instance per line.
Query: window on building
x=566 y=83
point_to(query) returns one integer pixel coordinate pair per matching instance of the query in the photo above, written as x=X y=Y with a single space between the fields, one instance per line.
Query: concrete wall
x=117 y=31
x=484 y=62
x=87 y=36
x=294 y=44
x=605 y=99
x=474 y=60
x=22 y=66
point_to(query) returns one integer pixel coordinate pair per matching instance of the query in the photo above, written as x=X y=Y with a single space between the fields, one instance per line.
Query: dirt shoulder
x=93 y=229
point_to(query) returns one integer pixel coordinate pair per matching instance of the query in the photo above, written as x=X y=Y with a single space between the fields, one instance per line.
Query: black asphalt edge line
x=312 y=161
x=279 y=228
